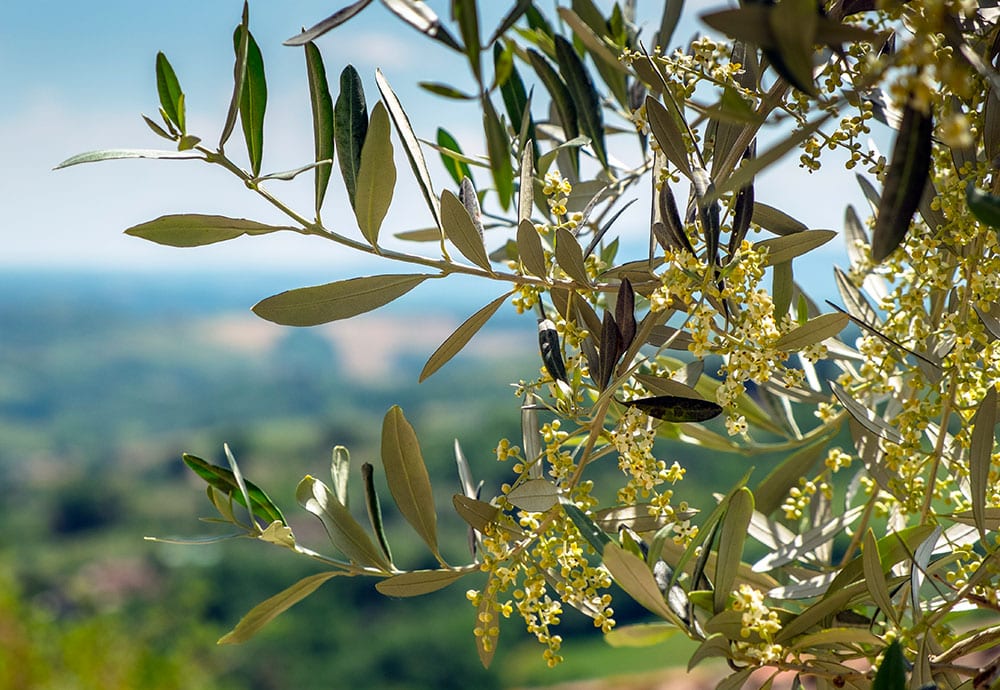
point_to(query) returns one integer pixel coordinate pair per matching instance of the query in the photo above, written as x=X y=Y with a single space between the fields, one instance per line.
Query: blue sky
x=77 y=76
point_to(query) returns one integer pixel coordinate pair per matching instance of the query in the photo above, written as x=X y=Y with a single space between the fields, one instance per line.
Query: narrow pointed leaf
x=875 y=576
x=340 y=472
x=266 y=611
x=460 y=229
x=410 y=144
x=803 y=546
x=984 y=206
x=855 y=301
x=407 y=476
x=498 y=149
x=376 y=176
x=558 y=92
x=117 y=154
x=418 y=582
x=169 y=90
x=467 y=16
x=864 y=416
x=195 y=229
x=458 y=169
x=334 y=20
x=445 y=91
x=668 y=135
x=374 y=510
x=633 y=575
x=776 y=220
x=529 y=249
x=239 y=76
x=813 y=331
x=311 y=306
x=904 y=182
x=793 y=26
x=786 y=248
x=891 y=673
x=509 y=19
x=672 y=408
x=322 y=115
x=224 y=481
x=585 y=97
x=548 y=345
x=526 y=183
x=980 y=454
x=422 y=18
x=534 y=495
x=731 y=539
x=588 y=529
x=668 y=22
x=462 y=335
x=351 y=128
x=569 y=256
x=477 y=514
x=345 y=533
x=253 y=99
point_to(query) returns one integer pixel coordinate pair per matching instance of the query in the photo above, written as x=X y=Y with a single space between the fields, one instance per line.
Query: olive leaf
x=407 y=477
x=534 y=495
x=498 y=150
x=891 y=673
x=548 y=345
x=418 y=582
x=410 y=144
x=195 y=229
x=793 y=26
x=376 y=176
x=980 y=456
x=776 y=220
x=585 y=96
x=311 y=306
x=634 y=576
x=345 y=533
x=334 y=20
x=787 y=247
x=253 y=98
x=477 y=514
x=462 y=335
x=668 y=135
x=266 y=611
x=813 y=331
x=374 y=510
x=117 y=154
x=224 y=481
x=673 y=408
x=732 y=536
x=323 y=119
x=350 y=128
x=169 y=90
x=875 y=576
x=904 y=182
x=239 y=77
x=460 y=228
x=569 y=256
x=530 y=250
x=458 y=169
x=984 y=206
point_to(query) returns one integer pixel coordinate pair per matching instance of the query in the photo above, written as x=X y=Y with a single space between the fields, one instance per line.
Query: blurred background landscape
x=106 y=378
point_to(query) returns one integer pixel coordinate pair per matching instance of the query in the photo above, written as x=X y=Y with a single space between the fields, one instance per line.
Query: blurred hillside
x=106 y=379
